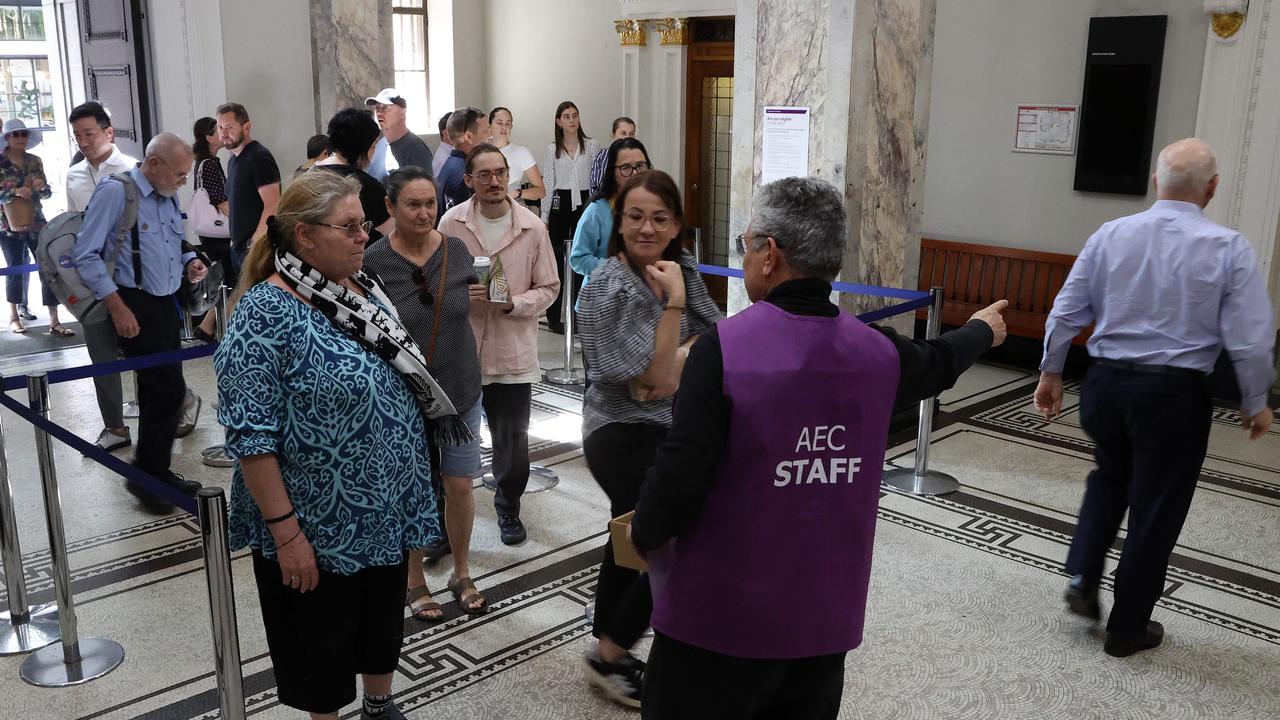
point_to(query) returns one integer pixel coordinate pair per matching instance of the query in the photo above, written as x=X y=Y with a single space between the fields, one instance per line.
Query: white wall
x=470 y=55
x=992 y=54
x=267 y=51
x=539 y=52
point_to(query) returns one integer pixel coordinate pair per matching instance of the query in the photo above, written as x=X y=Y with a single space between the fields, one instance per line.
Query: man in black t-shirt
x=253 y=180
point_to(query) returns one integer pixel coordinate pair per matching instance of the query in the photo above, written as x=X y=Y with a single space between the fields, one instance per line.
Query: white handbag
x=205 y=219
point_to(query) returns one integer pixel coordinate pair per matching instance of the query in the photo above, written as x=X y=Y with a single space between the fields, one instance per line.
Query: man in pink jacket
x=505 y=307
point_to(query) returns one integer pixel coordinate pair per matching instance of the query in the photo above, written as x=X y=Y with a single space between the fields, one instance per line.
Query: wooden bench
x=974 y=276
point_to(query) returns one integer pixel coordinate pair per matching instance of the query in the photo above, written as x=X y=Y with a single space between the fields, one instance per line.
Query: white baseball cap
x=388 y=96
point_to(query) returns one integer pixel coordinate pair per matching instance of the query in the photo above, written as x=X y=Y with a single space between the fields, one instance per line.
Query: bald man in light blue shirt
x=1168 y=290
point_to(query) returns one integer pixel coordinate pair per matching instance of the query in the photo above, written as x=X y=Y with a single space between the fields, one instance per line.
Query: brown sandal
x=420 y=611
x=60 y=331
x=16 y=326
x=475 y=603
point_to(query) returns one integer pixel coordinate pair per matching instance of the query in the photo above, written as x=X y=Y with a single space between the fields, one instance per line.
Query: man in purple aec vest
x=770 y=476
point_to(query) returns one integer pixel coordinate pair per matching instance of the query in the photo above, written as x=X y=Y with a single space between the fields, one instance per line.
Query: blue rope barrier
x=19 y=269
x=115 y=366
x=908 y=306
x=149 y=482
x=900 y=293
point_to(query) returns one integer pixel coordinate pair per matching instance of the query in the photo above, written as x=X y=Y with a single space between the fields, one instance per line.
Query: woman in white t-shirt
x=525 y=183
x=567 y=174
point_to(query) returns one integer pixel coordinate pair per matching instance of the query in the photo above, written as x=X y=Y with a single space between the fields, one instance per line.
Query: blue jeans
x=15 y=246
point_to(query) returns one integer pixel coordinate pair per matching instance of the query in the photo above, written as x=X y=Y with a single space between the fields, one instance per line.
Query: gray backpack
x=55 y=253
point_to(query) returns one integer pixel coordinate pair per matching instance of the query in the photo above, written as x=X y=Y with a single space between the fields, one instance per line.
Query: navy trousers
x=1150 y=433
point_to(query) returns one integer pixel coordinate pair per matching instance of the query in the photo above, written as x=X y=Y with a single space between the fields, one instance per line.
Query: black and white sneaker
x=620 y=681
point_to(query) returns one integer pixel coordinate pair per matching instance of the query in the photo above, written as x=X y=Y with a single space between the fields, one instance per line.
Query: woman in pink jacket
x=522 y=282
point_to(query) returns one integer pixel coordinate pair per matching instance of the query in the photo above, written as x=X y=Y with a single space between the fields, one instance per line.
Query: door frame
x=706 y=59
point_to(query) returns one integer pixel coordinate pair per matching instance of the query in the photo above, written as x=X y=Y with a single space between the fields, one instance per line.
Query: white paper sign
x=786 y=143
x=1046 y=129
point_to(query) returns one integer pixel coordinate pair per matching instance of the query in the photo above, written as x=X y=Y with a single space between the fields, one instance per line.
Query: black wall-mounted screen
x=1118 y=105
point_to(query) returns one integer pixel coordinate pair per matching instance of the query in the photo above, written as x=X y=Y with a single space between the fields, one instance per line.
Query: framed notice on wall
x=1044 y=128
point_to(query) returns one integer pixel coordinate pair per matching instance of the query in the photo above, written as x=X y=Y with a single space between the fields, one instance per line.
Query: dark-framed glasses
x=352 y=229
x=629 y=170
x=485 y=176
x=635 y=220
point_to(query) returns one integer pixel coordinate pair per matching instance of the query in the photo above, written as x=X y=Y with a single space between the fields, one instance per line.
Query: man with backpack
x=139 y=290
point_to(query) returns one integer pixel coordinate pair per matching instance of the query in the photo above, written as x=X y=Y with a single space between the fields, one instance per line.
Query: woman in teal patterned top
x=332 y=482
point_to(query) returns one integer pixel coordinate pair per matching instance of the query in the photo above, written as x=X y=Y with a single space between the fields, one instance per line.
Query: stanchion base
x=541 y=479
x=46 y=668
x=931 y=482
x=131 y=410
x=216 y=456
x=560 y=376
x=31 y=635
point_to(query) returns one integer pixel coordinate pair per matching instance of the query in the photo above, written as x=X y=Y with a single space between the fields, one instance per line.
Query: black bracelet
x=286 y=542
x=282 y=518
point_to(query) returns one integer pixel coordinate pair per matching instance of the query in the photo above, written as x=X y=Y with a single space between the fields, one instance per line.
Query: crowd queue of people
x=387 y=302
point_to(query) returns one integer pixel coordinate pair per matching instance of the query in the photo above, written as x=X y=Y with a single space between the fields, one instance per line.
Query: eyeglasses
x=424 y=291
x=740 y=242
x=485 y=176
x=182 y=177
x=351 y=230
x=629 y=170
x=636 y=219
x=18 y=134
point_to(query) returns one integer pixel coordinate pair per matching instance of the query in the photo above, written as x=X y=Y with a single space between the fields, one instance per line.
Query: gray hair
x=1184 y=168
x=806 y=218
x=168 y=146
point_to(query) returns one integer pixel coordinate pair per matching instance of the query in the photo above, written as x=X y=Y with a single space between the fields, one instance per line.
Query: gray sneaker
x=109 y=441
x=190 y=414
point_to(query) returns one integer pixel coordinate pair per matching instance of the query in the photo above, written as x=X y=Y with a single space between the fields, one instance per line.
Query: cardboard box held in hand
x=624 y=553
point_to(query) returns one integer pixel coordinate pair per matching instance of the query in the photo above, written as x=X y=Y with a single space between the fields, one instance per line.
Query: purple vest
x=778 y=562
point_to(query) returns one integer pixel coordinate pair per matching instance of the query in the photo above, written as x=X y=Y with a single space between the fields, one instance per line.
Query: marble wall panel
x=351 y=53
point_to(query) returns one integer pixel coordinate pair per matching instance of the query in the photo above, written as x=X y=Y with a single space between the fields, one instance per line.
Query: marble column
x=351 y=53
x=1239 y=101
x=862 y=68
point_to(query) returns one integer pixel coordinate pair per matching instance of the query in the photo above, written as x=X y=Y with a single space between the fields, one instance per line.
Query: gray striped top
x=456 y=365
x=618 y=319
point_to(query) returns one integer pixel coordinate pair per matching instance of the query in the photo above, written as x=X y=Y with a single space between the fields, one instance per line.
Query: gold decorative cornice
x=674 y=31
x=1226 y=24
x=631 y=33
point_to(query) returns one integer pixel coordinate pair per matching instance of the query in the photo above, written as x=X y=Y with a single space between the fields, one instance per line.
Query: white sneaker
x=109 y=441
x=190 y=414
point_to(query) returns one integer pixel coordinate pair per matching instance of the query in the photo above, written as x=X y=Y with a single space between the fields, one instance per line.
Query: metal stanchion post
x=188 y=326
x=75 y=660
x=920 y=480
x=26 y=629
x=131 y=408
x=697 y=246
x=566 y=374
x=222 y=601
x=216 y=455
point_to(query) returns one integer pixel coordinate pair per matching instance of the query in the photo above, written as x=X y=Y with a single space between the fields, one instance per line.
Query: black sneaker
x=513 y=532
x=190 y=487
x=620 y=681
x=24 y=313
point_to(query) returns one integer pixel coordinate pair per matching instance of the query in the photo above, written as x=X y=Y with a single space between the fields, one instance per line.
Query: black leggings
x=619 y=455
x=561 y=225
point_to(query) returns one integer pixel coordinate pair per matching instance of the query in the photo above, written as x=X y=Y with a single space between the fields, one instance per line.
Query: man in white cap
x=406 y=147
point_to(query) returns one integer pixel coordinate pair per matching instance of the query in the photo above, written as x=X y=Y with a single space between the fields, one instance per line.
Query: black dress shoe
x=513 y=532
x=1121 y=646
x=557 y=328
x=190 y=487
x=150 y=503
x=436 y=551
x=1083 y=601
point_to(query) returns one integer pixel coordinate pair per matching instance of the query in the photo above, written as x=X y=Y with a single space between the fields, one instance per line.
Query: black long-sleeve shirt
x=672 y=495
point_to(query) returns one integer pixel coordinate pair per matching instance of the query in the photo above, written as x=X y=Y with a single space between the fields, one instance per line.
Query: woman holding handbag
x=208 y=209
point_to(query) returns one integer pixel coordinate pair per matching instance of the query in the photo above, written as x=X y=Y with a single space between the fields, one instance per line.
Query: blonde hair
x=307 y=200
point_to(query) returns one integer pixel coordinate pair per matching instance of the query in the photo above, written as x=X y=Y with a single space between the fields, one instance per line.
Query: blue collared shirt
x=1168 y=286
x=160 y=235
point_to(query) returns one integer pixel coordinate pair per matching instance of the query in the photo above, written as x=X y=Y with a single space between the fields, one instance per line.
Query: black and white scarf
x=380 y=331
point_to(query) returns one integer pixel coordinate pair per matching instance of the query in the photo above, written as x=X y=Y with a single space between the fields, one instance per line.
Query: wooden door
x=708 y=146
